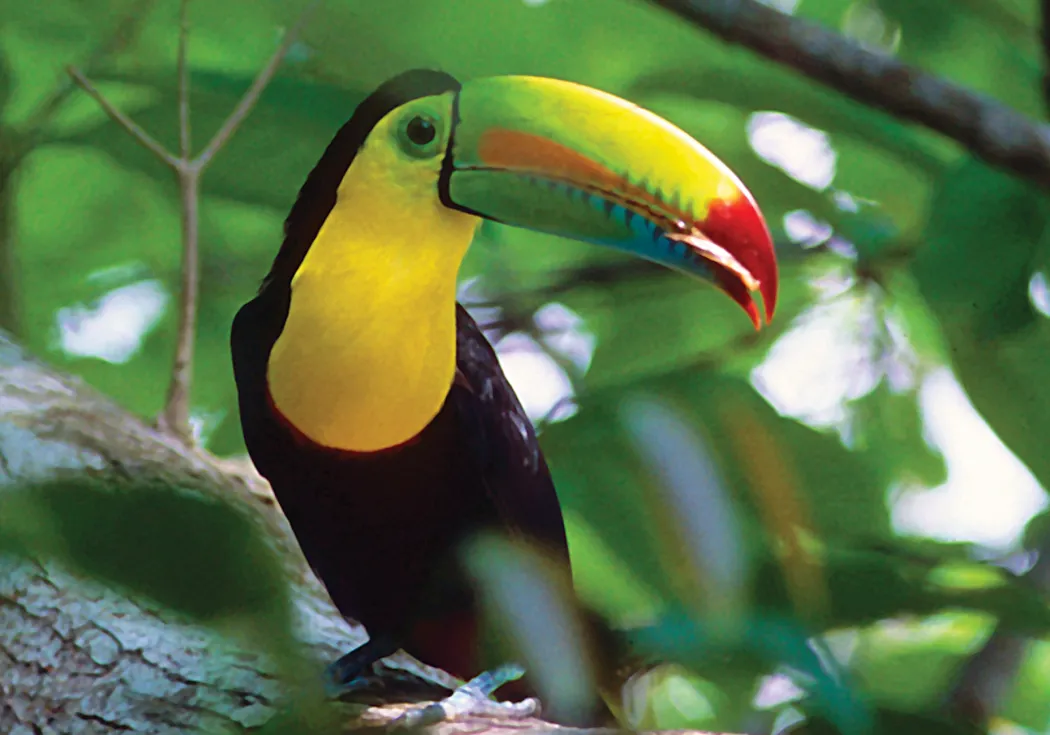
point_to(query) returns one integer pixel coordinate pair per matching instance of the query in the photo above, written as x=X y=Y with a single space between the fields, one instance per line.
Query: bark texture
x=76 y=657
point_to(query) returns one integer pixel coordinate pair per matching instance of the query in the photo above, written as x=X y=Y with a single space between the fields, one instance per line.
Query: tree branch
x=141 y=136
x=989 y=129
x=185 y=138
x=229 y=127
x=175 y=418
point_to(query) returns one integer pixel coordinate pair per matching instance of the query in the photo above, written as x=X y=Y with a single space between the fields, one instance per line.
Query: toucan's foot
x=376 y=678
x=473 y=699
x=362 y=671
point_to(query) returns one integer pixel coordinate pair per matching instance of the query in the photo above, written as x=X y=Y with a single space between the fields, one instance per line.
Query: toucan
x=372 y=401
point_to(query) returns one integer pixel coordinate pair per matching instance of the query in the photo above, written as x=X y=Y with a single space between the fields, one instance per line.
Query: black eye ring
x=421 y=130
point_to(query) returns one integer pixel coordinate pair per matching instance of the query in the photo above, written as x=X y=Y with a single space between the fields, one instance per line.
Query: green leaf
x=908 y=664
x=195 y=555
x=865 y=585
x=1028 y=705
x=889 y=430
x=984 y=241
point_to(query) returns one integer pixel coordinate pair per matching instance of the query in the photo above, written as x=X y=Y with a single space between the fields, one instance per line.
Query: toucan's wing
x=502 y=440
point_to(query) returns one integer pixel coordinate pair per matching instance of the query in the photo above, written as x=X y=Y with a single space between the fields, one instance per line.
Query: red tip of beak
x=737 y=290
x=738 y=226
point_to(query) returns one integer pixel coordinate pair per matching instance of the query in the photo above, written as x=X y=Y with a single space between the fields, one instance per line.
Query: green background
x=930 y=265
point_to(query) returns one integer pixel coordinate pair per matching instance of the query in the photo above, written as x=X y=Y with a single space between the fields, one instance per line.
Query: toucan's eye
x=420 y=130
x=419 y=136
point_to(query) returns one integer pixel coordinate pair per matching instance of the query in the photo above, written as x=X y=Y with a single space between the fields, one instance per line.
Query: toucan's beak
x=562 y=158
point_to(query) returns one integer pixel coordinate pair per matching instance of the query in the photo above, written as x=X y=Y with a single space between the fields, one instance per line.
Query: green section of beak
x=565 y=159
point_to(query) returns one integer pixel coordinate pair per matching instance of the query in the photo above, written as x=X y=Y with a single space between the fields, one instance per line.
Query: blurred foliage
x=194 y=555
x=177 y=537
x=926 y=257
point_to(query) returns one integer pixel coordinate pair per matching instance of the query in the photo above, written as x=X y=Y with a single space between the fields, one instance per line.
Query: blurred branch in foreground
x=175 y=418
x=991 y=130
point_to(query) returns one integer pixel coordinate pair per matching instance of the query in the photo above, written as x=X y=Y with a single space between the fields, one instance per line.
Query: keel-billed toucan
x=372 y=401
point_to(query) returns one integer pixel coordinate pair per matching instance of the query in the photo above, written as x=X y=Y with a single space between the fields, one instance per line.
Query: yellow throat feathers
x=368 y=352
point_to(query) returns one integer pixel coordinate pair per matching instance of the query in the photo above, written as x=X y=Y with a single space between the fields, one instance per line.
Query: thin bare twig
x=255 y=91
x=991 y=130
x=140 y=135
x=183 y=70
x=174 y=418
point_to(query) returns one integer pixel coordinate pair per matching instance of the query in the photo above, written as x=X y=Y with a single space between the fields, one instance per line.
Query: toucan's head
x=545 y=155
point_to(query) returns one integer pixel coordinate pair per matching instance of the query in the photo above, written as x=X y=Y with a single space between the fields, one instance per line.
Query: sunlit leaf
x=699 y=519
x=532 y=601
x=890 y=431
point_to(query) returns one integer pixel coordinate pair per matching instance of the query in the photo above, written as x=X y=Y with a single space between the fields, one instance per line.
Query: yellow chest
x=368 y=352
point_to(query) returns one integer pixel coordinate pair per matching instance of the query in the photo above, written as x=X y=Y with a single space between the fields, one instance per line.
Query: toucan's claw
x=380 y=681
x=363 y=672
x=473 y=699
x=359 y=670
x=376 y=678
